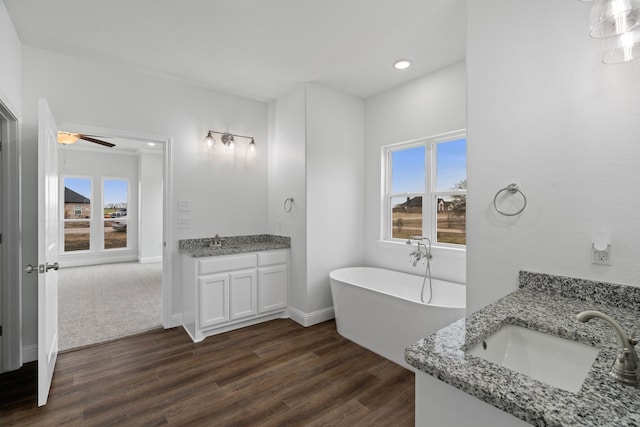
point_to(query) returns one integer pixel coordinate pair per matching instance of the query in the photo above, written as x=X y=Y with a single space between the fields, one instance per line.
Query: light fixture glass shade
x=623 y=48
x=209 y=140
x=613 y=17
x=252 y=146
x=229 y=141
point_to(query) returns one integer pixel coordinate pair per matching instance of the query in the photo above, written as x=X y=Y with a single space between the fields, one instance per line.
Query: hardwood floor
x=273 y=374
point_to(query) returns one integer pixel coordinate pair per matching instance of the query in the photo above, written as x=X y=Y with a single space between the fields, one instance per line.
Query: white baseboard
x=175 y=320
x=30 y=353
x=148 y=260
x=313 y=318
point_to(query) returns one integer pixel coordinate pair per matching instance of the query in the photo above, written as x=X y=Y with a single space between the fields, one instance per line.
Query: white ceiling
x=259 y=49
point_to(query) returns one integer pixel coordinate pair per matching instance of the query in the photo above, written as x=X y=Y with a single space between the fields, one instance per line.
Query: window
x=77 y=214
x=115 y=201
x=425 y=191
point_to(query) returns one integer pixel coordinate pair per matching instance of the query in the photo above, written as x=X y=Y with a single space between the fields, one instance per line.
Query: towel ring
x=288 y=204
x=512 y=189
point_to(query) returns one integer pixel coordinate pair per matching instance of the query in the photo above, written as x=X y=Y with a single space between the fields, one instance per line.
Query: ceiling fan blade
x=97 y=141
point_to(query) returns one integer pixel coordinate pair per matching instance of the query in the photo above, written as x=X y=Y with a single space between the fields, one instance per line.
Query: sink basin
x=547 y=358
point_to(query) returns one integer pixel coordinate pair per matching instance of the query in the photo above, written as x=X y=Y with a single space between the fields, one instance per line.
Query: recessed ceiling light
x=151 y=144
x=402 y=64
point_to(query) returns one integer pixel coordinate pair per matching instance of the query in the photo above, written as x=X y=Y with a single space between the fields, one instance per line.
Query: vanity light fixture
x=402 y=64
x=228 y=140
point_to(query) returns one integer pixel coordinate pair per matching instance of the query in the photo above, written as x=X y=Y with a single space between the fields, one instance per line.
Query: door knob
x=30 y=268
x=55 y=266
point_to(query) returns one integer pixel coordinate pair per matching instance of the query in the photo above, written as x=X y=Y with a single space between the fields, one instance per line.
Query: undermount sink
x=548 y=358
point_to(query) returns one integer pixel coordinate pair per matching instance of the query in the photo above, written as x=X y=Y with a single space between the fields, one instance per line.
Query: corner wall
x=10 y=71
x=150 y=205
x=317 y=158
x=544 y=112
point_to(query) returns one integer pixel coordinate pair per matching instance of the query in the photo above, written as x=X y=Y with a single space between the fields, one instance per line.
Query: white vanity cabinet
x=273 y=269
x=221 y=293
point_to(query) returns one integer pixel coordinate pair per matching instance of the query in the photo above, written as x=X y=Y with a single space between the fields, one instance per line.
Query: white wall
x=546 y=113
x=150 y=206
x=335 y=186
x=287 y=179
x=428 y=106
x=228 y=193
x=317 y=158
x=10 y=53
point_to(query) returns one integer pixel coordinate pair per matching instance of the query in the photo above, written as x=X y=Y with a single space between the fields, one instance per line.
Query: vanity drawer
x=270 y=258
x=226 y=263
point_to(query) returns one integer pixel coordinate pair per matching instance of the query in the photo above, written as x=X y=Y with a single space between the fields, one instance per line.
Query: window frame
x=429 y=196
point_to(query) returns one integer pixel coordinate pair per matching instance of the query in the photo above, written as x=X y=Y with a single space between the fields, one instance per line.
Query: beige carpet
x=102 y=302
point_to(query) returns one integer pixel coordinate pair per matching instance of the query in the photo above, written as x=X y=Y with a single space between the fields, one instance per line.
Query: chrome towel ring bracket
x=511 y=189
x=288 y=204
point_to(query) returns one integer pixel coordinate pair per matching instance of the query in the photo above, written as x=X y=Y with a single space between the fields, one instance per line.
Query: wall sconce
x=228 y=140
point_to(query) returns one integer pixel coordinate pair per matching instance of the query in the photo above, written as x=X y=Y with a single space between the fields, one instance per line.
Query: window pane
x=408 y=170
x=452 y=219
x=406 y=217
x=452 y=165
x=77 y=198
x=76 y=236
x=115 y=234
x=116 y=197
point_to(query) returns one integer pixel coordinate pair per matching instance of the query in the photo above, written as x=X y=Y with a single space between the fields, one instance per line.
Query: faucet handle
x=633 y=335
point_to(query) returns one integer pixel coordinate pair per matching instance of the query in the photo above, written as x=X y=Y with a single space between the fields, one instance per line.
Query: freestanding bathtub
x=381 y=309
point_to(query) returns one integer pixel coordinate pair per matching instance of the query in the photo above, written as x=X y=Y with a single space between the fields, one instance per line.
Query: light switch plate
x=184 y=205
x=184 y=222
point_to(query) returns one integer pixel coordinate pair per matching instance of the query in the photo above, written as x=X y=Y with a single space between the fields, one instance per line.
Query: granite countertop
x=549 y=304
x=233 y=245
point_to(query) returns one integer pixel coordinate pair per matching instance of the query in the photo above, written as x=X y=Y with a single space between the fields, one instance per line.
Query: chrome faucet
x=625 y=367
x=215 y=242
x=421 y=252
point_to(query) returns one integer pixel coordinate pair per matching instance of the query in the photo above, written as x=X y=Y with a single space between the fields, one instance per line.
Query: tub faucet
x=422 y=252
x=625 y=367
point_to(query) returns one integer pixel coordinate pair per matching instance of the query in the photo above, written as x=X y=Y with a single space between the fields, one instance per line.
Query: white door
x=47 y=249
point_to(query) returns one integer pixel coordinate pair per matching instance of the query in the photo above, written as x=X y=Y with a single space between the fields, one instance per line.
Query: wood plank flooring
x=274 y=374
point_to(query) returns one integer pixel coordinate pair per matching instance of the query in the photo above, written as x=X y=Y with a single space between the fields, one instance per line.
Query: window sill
x=436 y=249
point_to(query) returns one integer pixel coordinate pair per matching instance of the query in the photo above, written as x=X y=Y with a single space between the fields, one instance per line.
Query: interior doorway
x=113 y=289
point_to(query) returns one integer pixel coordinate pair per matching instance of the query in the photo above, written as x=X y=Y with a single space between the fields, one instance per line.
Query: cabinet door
x=243 y=294
x=214 y=299
x=272 y=288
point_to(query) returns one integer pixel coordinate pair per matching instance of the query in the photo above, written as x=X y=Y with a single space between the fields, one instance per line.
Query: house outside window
x=425 y=190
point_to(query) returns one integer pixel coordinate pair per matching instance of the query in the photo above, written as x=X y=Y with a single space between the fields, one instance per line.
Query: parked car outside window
x=119 y=226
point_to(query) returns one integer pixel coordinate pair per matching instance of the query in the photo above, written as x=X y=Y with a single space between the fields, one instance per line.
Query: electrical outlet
x=601 y=257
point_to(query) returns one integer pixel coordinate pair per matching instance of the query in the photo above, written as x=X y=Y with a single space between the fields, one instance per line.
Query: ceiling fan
x=67 y=138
